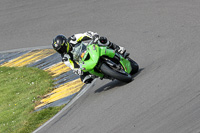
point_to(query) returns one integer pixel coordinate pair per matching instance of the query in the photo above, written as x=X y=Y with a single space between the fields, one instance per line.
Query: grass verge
x=20 y=90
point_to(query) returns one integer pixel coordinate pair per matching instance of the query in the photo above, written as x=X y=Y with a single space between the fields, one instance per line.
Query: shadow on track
x=115 y=83
x=110 y=85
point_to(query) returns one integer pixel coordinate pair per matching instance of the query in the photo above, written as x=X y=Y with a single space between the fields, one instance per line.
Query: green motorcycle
x=103 y=62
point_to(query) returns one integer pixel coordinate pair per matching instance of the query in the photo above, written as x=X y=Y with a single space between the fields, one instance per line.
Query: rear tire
x=117 y=75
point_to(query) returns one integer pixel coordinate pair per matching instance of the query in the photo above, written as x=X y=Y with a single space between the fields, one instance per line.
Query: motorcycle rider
x=67 y=47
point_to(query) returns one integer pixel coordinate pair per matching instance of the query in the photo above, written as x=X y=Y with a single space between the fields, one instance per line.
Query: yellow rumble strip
x=29 y=58
x=58 y=69
x=63 y=91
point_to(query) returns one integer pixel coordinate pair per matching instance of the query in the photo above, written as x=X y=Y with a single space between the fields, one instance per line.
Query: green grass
x=20 y=90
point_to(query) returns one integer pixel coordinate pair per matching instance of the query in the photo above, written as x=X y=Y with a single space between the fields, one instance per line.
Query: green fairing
x=126 y=64
x=95 y=52
x=88 y=65
x=96 y=73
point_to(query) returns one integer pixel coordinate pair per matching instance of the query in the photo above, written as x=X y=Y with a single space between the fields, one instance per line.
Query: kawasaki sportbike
x=103 y=62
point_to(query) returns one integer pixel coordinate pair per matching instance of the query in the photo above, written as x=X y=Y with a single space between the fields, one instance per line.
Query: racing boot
x=87 y=78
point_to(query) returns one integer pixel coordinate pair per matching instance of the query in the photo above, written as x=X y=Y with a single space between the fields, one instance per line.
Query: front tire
x=134 y=65
x=125 y=77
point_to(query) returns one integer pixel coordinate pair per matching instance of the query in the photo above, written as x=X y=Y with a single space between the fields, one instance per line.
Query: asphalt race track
x=163 y=36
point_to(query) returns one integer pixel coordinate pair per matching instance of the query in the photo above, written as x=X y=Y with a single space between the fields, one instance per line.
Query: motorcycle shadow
x=110 y=85
x=116 y=83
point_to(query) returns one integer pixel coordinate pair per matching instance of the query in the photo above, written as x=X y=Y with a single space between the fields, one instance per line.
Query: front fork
x=124 y=62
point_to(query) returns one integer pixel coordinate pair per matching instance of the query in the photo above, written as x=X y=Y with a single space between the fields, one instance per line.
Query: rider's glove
x=78 y=71
x=95 y=38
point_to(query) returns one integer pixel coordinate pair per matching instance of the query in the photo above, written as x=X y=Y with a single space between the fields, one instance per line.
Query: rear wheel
x=122 y=76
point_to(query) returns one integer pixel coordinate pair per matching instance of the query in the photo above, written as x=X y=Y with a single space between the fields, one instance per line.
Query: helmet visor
x=56 y=46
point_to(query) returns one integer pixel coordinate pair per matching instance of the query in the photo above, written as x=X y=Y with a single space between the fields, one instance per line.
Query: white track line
x=68 y=105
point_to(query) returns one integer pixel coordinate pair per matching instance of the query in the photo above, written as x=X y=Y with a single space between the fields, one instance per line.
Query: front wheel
x=124 y=77
x=134 y=65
